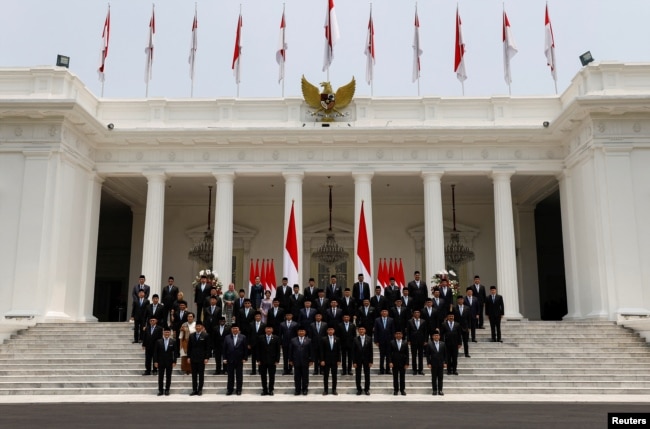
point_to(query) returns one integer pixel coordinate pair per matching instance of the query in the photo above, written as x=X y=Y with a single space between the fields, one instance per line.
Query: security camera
x=545 y=124
x=110 y=126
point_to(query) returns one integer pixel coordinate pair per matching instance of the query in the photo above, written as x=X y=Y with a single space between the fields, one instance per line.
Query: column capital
x=502 y=174
x=293 y=176
x=434 y=175
x=362 y=176
x=224 y=176
x=155 y=175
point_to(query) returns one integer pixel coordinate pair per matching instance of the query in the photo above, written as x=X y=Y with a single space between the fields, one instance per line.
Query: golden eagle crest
x=327 y=102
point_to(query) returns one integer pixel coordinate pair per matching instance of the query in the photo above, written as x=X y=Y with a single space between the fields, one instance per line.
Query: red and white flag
x=271 y=278
x=149 y=49
x=281 y=53
x=380 y=274
x=416 y=48
x=263 y=276
x=549 y=45
x=104 y=51
x=193 y=45
x=370 y=50
x=236 y=58
x=363 y=248
x=332 y=34
x=509 y=48
x=290 y=268
x=459 y=57
x=401 y=279
x=251 y=276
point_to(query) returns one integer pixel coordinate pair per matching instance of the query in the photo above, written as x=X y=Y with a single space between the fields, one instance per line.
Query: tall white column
x=223 y=227
x=504 y=231
x=89 y=264
x=293 y=194
x=152 y=247
x=434 y=234
x=363 y=192
x=569 y=246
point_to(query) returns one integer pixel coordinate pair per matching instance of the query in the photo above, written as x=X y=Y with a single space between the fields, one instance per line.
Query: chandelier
x=329 y=253
x=202 y=251
x=456 y=253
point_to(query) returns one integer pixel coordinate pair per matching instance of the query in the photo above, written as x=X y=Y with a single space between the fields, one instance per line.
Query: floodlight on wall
x=586 y=58
x=63 y=61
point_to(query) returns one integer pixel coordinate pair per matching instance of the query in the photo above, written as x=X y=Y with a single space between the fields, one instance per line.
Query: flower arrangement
x=452 y=279
x=213 y=278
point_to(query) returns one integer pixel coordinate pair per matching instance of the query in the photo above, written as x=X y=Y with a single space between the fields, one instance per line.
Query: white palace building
x=552 y=193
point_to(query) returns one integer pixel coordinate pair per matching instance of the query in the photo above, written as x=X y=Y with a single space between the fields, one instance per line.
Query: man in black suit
x=211 y=314
x=346 y=333
x=157 y=310
x=140 y=286
x=378 y=301
x=440 y=306
x=288 y=331
x=366 y=316
x=333 y=291
x=297 y=301
x=348 y=304
x=245 y=317
x=307 y=316
x=169 y=295
x=495 y=310
x=150 y=335
x=256 y=330
x=317 y=331
x=321 y=303
x=472 y=303
x=361 y=289
x=480 y=293
x=201 y=292
x=436 y=361
x=311 y=291
x=300 y=358
x=275 y=316
x=447 y=294
x=283 y=294
x=450 y=333
x=407 y=301
x=330 y=359
x=417 y=338
x=383 y=332
x=464 y=318
x=235 y=353
x=178 y=317
x=400 y=314
x=198 y=353
x=429 y=315
x=362 y=357
x=334 y=315
x=219 y=333
x=398 y=362
x=268 y=357
x=239 y=302
x=417 y=291
x=165 y=354
x=392 y=292
x=139 y=315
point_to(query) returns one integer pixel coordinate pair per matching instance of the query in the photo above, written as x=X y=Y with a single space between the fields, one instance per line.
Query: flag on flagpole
x=271 y=277
x=281 y=53
x=251 y=276
x=363 y=248
x=236 y=58
x=193 y=45
x=332 y=34
x=459 y=57
x=257 y=271
x=380 y=274
x=400 y=274
x=417 y=52
x=291 y=251
x=393 y=271
x=149 y=49
x=104 y=51
x=549 y=45
x=509 y=48
x=370 y=50
x=264 y=276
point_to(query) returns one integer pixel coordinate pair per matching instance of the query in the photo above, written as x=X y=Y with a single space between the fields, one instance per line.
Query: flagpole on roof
x=239 y=47
x=193 y=46
x=105 y=40
x=283 y=47
x=506 y=59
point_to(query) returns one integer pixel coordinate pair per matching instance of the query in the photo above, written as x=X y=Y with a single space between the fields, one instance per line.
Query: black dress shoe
x=358 y=392
x=420 y=372
x=395 y=392
x=335 y=393
x=160 y=393
x=381 y=372
x=434 y=393
x=467 y=356
x=403 y=393
x=200 y=393
x=253 y=373
x=297 y=394
x=146 y=373
x=325 y=393
x=228 y=393
x=134 y=342
x=388 y=372
x=305 y=392
x=264 y=393
x=473 y=341
x=415 y=372
x=500 y=341
x=367 y=392
x=455 y=372
x=193 y=394
x=238 y=393
x=441 y=394
x=154 y=372
x=166 y=392
x=271 y=393
x=215 y=373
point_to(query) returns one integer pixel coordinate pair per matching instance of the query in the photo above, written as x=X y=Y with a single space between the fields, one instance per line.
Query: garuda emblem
x=327 y=103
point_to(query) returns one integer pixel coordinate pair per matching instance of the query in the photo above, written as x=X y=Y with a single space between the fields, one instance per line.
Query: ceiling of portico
x=386 y=189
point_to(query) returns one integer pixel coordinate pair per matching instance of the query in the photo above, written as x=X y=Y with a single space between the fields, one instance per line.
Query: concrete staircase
x=535 y=357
